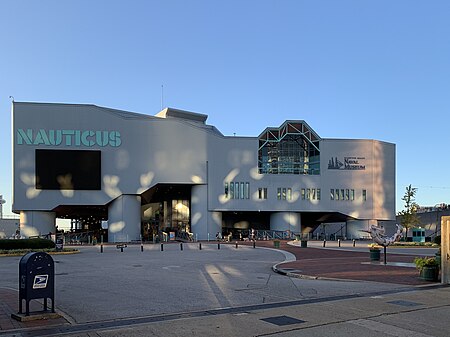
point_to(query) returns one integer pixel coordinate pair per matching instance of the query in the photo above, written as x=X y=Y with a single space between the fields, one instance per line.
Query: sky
x=350 y=69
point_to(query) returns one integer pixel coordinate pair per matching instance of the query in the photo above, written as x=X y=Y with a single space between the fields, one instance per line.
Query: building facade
x=174 y=172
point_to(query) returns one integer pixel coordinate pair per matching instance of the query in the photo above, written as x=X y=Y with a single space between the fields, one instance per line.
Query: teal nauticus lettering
x=114 y=138
x=75 y=138
x=26 y=136
x=84 y=138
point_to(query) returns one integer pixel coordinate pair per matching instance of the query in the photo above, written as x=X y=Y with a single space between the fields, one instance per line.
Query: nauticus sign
x=74 y=138
x=350 y=163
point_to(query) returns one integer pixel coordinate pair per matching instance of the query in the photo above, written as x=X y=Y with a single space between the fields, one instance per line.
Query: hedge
x=26 y=244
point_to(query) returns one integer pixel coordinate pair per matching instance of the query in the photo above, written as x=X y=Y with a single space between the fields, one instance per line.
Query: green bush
x=26 y=244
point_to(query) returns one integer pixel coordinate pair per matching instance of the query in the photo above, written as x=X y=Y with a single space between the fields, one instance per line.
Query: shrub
x=422 y=262
x=26 y=244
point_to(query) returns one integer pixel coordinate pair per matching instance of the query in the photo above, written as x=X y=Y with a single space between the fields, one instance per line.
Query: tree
x=409 y=214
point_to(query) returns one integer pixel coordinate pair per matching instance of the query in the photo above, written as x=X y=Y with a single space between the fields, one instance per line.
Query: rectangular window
x=289 y=194
x=242 y=190
x=347 y=194
x=332 y=194
x=318 y=194
x=232 y=190
x=364 y=195
x=336 y=193
x=284 y=194
x=260 y=193
x=342 y=194
x=236 y=190
x=308 y=193
x=226 y=190
x=247 y=190
x=303 y=193
x=313 y=194
x=265 y=193
x=352 y=194
x=279 y=193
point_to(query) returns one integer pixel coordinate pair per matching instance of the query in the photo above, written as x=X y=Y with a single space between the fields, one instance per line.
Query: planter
x=375 y=254
x=438 y=259
x=276 y=244
x=430 y=273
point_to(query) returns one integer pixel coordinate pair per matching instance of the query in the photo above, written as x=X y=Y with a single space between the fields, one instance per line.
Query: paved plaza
x=231 y=292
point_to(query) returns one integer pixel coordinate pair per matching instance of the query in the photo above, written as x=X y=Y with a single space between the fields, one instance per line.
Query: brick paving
x=9 y=304
x=347 y=265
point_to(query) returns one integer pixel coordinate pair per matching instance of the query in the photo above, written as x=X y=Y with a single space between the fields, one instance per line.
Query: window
x=318 y=194
x=242 y=190
x=226 y=190
x=332 y=194
x=303 y=193
x=289 y=194
x=336 y=193
x=279 y=193
x=265 y=193
x=236 y=190
x=260 y=193
x=284 y=194
x=342 y=194
x=364 y=195
x=294 y=148
x=352 y=194
x=347 y=194
x=308 y=193
x=247 y=190
x=232 y=190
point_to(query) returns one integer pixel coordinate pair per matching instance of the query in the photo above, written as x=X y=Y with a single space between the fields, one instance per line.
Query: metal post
x=101 y=248
x=354 y=242
x=218 y=246
x=384 y=255
x=236 y=244
x=162 y=247
x=339 y=242
x=121 y=249
x=181 y=246
x=254 y=244
x=324 y=242
x=200 y=246
x=142 y=247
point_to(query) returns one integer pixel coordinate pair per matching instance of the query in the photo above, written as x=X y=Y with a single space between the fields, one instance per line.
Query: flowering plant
x=374 y=246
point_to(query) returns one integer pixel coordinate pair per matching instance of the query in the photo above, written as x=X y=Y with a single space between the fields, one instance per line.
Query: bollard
x=162 y=247
x=121 y=249
x=339 y=242
x=142 y=247
x=324 y=242
x=236 y=245
x=181 y=246
x=101 y=248
x=200 y=245
x=218 y=246
x=354 y=242
x=254 y=244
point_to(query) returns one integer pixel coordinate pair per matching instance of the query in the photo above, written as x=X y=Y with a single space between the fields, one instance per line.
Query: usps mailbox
x=37 y=279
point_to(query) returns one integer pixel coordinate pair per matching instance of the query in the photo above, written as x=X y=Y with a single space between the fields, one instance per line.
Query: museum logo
x=75 y=138
x=349 y=163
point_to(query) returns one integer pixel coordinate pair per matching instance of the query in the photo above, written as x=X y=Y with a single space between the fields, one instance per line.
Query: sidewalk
x=311 y=263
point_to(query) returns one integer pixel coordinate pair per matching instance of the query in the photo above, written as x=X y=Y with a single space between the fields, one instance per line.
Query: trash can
x=304 y=244
x=36 y=279
x=276 y=244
